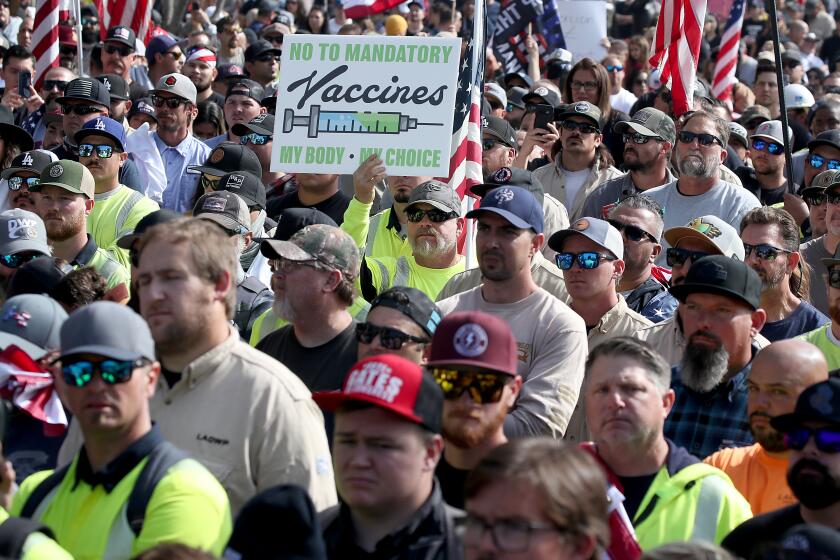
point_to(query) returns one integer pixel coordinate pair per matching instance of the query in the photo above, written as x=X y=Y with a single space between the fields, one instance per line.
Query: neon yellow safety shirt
x=825 y=340
x=377 y=236
x=269 y=322
x=100 y=259
x=187 y=506
x=116 y=213
x=38 y=546
x=387 y=272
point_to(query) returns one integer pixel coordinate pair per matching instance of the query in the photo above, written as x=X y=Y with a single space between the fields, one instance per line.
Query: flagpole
x=774 y=22
x=77 y=7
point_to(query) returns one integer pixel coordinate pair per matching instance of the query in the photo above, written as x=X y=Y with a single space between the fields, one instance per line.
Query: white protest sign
x=584 y=25
x=343 y=98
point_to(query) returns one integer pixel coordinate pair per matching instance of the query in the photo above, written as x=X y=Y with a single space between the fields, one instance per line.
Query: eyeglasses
x=268 y=58
x=81 y=110
x=390 y=339
x=17 y=260
x=587 y=260
x=170 y=102
x=286 y=266
x=208 y=182
x=586 y=86
x=508 y=535
x=583 y=128
x=764 y=251
x=123 y=51
x=638 y=138
x=437 y=216
x=834 y=277
x=488 y=144
x=614 y=68
x=103 y=151
x=817 y=161
x=60 y=85
x=482 y=387
x=827 y=439
x=633 y=233
x=687 y=137
x=90 y=22
x=769 y=147
x=80 y=372
x=678 y=257
x=235 y=29
x=814 y=199
x=274 y=38
x=176 y=55
x=256 y=139
x=16 y=183
x=67 y=51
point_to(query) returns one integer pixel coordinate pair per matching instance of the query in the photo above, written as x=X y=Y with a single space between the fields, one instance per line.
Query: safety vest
x=404 y=271
x=371 y=233
x=269 y=322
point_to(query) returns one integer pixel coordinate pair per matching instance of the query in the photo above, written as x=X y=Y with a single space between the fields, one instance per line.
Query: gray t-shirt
x=726 y=201
x=813 y=252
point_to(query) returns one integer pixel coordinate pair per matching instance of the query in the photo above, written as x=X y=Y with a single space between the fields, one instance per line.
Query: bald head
x=790 y=361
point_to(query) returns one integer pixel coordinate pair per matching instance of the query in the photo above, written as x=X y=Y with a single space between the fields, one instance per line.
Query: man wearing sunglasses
x=107 y=379
x=83 y=100
x=24 y=172
x=474 y=360
x=819 y=249
x=620 y=99
x=53 y=86
x=164 y=56
x=117 y=209
x=812 y=433
x=401 y=321
x=23 y=238
x=262 y=63
x=766 y=178
x=242 y=103
x=814 y=197
x=649 y=138
x=550 y=338
x=118 y=54
x=257 y=135
x=823 y=154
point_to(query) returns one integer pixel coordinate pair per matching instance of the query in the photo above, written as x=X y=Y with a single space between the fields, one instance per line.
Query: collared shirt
x=95 y=257
x=180 y=185
x=216 y=140
x=607 y=195
x=706 y=422
x=111 y=474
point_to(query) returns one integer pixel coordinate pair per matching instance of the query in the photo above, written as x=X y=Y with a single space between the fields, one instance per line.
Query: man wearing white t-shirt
x=620 y=99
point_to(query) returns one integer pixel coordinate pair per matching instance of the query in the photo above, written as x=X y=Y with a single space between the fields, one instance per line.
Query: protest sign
x=343 y=98
x=584 y=26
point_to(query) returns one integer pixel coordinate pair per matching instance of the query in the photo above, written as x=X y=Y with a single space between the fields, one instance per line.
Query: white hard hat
x=798 y=97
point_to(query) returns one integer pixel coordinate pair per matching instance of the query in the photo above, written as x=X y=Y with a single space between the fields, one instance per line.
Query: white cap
x=718 y=235
x=772 y=130
x=798 y=96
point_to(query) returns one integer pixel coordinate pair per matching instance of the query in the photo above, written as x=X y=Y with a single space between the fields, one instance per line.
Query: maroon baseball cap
x=474 y=339
x=393 y=383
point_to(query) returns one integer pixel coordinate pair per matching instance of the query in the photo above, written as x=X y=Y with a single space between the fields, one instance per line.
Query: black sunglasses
x=678 y=257
x=278 y=39
x=435 y=215
x=826 y=439
x=268 y=58
x=763 y=251
x=817 y=161
x=687 y=137
x=583 y=128
x=60 y=85
x=81 y=110
x=170 y=102
x=814 y=199
x=123 y=51
x=391 y=339
x=633 y=233
x=19 y=259
x=78 y=373
x=16 y=183
x=488 y=144
x=482 y=387
x=638 y=138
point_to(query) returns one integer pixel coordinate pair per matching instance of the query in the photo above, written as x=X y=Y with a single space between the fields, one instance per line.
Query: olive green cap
x=68 y=175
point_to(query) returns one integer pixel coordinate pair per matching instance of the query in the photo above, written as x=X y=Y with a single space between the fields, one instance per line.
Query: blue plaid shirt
x=706 y=422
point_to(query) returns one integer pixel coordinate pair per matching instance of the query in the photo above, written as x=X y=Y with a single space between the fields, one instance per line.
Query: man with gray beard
x=699 y=191
x=720 y=309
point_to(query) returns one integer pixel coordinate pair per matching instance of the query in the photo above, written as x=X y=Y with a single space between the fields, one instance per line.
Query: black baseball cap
x=122 y=34
x=147 y=221
x=818 y=403
x=228 y=157
x=515 y=95
x=116 y=86
x=412 y=303
x=34 y=161
x=143 y=105
x=261 y=124
x=248 y=88
x=719 y=274
x=229 y=72
x=499 y=129
x=292 y=220
x=514 y=177
x=259 y=48
x=543 y=95
x=248 y=186
x=826 y=138
x=86 y=89
x=38 y=276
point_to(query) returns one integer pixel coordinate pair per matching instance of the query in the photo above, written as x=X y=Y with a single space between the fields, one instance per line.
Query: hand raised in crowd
x=531 y=46
x=541 y=138
x=370 y=172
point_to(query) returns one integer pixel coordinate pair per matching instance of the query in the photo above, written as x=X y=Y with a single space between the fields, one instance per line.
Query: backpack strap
x=42 y=491
x=14 y=532
x=161 y=459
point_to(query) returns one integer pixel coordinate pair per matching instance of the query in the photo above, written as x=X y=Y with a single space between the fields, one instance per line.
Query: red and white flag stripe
x=727 y=61
x=45 y=36
x=136 y=14
x=30 y=388
x=363 y=8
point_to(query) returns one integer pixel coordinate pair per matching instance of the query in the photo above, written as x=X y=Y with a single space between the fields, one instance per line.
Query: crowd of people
x=206 y=356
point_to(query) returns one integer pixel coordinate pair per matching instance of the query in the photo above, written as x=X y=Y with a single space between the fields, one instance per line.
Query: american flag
x=727 y=60
x=136 y=14
x=30 y=388
x=45 y=36
x=676 y=48
x=358 y=9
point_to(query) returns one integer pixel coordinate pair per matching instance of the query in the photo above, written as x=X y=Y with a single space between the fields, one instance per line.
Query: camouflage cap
x=828 y=180
x=328 y=245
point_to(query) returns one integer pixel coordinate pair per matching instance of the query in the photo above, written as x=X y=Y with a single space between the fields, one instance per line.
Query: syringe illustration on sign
x=352 y=122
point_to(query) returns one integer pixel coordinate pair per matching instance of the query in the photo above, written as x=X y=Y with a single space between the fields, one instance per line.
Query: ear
x=598 y=139
x=248 y=238
x=333 y=280
x=123 y=156
x=215 y=73
x=515 y=388
x=222 y=285
x=657 y=248
x=723 y=155
x=460 y=224
x=758 y=318
x=88 y=206
x=666 y=148
x=618 y=268
x=152 y=379
x=128 y=105
x=537 y=243
x=434 y=449
x=793 y=261
x=668 y=402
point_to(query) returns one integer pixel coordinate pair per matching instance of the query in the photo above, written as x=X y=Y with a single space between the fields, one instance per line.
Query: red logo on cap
x=170 y=81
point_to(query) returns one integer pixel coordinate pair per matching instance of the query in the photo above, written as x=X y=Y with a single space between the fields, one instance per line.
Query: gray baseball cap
x=225 y=209
x=440 y=195
x=21 y=230
x=771 y=130
x=718 y=235
x=821 y=183
x=650 y=122
x=599 y=231
x=177 y=84
x=31 y=322
x=107 y=329
x=739 y=133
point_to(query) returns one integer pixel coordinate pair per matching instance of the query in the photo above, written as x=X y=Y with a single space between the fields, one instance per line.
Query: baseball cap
x=754 y=112
x=261 y=124
x=739 y=133
x=292 y=220
x=67 y=36
x=826 y=138
x=116 y=86
x=438 y=194
x=716 y=234
x=829 y=262
x=798 y=96
x=225 y=209
x=771 y=130
x=245 y=185
x=818 y=403
x=326 y=244
x=103 y=126
x=412 y=303
x=31 y=322
x=515 y=95
x=159 y=45
x=22 y=230
x=823 y=180
x=34 y=161
x=514 y=204
x=494 y=90
x=38 y=276
x=248 y=88
x=228 y=157
x=476 y=340
x=392 y=383
x=86 y=89
x=599 y=231
x=100 y=328
x=228 y=72
x=719 y=274
x=69 y=175
x=177 y=84
x=792 y=55
x=143 y=105
x=499 y=129
x=582 y=109
x=12 y=133
x=513 y=176
x=542 y=94
x=259 y=48
x=650 y=122
x=808 y=542
x=121 y=34
x=152 y=219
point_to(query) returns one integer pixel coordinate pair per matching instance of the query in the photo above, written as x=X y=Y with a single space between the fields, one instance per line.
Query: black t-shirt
x=635 y=488
x=214 y=98
x=757 y=534
x=452 y=482
x=334 y=206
